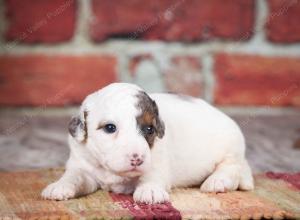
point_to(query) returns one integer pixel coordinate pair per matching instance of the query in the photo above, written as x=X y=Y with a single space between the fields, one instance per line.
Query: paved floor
x=29 y=141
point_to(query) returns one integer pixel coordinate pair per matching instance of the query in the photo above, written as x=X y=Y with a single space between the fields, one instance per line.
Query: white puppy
x=126 y=141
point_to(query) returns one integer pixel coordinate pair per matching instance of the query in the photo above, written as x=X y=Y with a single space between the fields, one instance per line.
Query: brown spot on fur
x=149 y=117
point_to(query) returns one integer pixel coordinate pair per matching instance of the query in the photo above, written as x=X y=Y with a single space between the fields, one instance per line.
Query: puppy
x=126 y=141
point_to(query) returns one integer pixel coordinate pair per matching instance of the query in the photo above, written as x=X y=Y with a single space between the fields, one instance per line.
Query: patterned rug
x=277 y=196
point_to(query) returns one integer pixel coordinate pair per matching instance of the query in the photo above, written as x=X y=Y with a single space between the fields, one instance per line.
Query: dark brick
x=283 y=21
x=183 y=20
x=45 y=21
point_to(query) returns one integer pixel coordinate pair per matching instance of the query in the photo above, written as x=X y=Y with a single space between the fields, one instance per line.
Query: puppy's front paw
x=150 y=194
x=59 y=191
x=219 y=183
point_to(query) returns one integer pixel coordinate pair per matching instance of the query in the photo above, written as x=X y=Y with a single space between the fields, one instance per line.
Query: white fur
x=201 y=145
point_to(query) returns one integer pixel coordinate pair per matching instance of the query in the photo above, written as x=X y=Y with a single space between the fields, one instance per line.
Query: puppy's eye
x=110 y=128
x=148 y=129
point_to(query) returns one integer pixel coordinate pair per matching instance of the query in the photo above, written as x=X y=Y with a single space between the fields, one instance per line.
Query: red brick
x=53 y=80
x=283 y=21
x=257 y=80
x=184 y=76
x=183 y=20
x=40 y=21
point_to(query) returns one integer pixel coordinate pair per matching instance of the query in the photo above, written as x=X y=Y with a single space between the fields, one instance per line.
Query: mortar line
x=208 y=77
x=231 y=110
x=83 y=19
x=260 y=18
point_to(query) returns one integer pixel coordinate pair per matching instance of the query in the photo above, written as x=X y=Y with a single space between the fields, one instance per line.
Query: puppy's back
x=197 y=136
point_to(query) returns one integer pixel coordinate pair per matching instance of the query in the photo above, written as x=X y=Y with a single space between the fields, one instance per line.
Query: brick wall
x=229 y=52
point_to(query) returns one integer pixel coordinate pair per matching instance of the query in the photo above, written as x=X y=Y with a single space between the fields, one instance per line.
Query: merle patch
x=149 y=118
x=77 y=125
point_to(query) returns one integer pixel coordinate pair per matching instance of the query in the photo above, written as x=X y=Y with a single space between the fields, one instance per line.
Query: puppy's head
x=118 y=126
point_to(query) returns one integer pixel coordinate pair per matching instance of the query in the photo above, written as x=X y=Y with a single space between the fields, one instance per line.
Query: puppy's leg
x=151 y=193
x=225 y=178
x=246 y=178
x=73 y=183
x=153 y=186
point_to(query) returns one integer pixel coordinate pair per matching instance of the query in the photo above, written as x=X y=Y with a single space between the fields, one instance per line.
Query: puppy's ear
x=159 y=125
x=160 y=128
x=149 y=113
x=78 y=127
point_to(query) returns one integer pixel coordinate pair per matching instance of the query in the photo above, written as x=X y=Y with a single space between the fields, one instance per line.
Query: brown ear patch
x=149 y=117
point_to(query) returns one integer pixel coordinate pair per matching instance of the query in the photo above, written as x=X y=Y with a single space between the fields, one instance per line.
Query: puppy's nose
x=136 y=160
x=136 y=163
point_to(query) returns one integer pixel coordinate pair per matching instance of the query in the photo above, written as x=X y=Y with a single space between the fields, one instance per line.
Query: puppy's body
x=193 y=144
x=194 y=129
